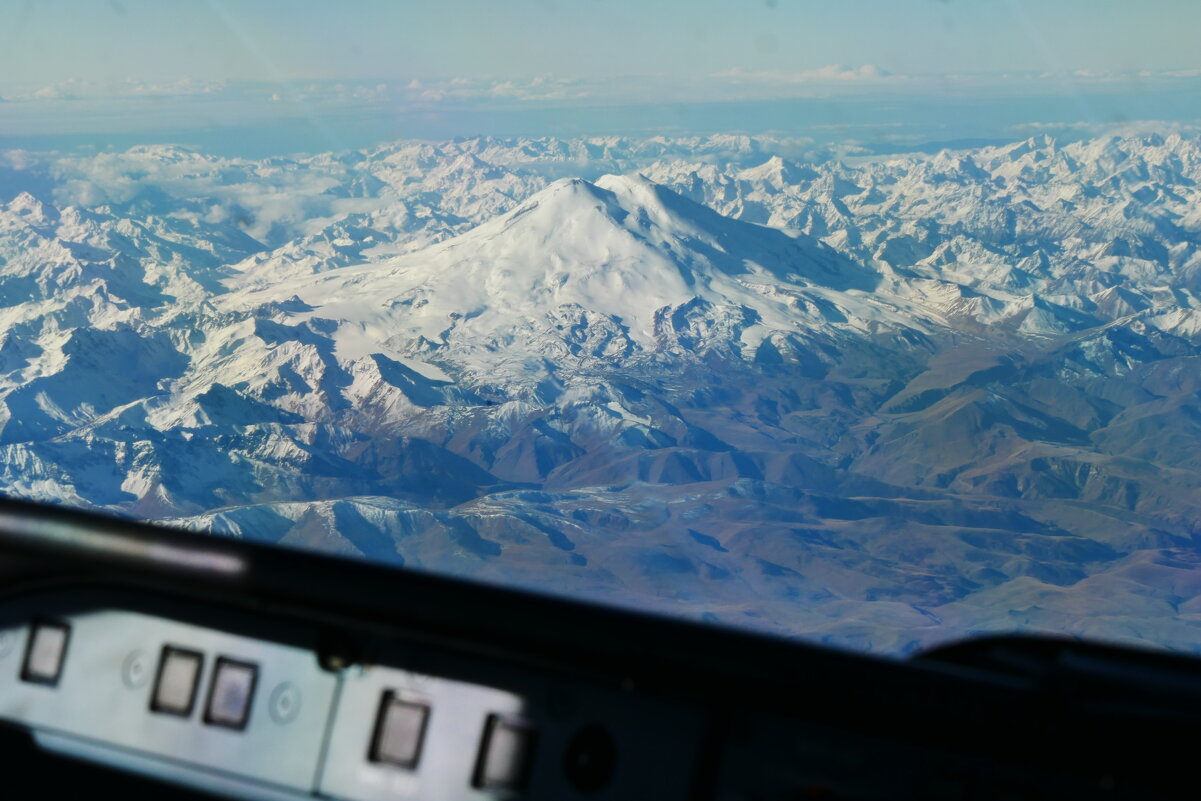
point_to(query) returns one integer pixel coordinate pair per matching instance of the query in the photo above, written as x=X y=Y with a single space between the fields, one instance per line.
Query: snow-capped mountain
x=579 y=272
x=880 y=401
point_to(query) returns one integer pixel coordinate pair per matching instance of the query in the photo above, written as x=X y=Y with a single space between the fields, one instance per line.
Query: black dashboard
x=152 y=662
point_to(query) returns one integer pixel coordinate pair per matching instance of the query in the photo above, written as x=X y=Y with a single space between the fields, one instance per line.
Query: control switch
x=399 y=731
x=505 y=752
x=45 y=653
x=175 y=687
x=231 y=694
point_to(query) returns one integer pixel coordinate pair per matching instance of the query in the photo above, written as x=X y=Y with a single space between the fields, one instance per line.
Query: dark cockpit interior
x=148 y=663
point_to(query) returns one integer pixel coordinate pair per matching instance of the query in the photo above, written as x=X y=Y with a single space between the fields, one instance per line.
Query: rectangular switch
x=399 y=731
x=178 y=676
x=45 y=653
x=505 y=752
x=231 y=693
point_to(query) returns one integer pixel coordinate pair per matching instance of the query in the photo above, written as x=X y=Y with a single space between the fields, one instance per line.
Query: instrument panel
x=244 y=716
x=146 y=661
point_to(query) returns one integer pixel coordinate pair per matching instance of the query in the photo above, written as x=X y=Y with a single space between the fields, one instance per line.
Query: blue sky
x=114 y=40
x=467 y=66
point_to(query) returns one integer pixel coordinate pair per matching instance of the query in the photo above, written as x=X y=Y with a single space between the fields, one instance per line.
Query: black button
x=45 y=652
x=175 y=685
x=230 y=694
x=505 y=751
x=590 y=759
x=399 y=731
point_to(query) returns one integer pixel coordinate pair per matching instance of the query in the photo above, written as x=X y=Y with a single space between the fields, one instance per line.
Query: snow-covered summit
x=623 y=248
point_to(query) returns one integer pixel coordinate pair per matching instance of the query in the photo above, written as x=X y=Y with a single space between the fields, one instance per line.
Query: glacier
x=879 y=402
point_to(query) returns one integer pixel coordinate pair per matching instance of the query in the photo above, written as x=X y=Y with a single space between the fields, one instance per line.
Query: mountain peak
x=777 y=173
x=31 y=209
x=624 y=247
x=564 y=196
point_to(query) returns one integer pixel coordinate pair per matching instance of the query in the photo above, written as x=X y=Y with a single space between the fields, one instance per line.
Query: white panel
x=458 y=712
x=107 y=679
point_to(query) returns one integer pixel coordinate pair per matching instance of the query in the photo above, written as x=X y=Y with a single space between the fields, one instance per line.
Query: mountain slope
x=880 y=404
x=623 y=250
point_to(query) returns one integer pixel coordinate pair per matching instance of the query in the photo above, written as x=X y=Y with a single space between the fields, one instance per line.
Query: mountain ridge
x=879 y=404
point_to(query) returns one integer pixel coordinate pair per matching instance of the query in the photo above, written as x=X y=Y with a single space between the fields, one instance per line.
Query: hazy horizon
x=267 y=77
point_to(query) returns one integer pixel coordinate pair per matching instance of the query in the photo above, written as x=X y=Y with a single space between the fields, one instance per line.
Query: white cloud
x=429 y=91
x=538 y=89
x=1101 y=76
x=267 y=205
x=63 y=90
x=1098 y=129
x=79 y=89
x=833 y=73
x=183 y=86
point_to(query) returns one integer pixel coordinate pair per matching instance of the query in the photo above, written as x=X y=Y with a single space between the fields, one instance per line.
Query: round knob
x=135 y=671
x=285 y=703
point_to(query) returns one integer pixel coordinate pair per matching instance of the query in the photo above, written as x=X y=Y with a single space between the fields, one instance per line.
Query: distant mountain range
x=879 y=403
